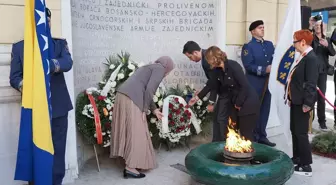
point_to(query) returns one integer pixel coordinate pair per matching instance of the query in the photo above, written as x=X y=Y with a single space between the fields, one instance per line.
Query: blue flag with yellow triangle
x=35 y=148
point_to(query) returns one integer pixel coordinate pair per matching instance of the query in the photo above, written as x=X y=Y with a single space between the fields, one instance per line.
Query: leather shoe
x=267 y=142
x=129 y=174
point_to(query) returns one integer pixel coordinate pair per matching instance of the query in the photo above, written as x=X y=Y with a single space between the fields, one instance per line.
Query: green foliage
x=85 y=128
x=85 y=117
x=178 y=91
x=325 y=142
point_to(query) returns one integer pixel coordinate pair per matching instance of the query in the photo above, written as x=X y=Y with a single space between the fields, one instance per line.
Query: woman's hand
x=193 y=100
x=158 y=114
x=305 y=108
x=238 y=108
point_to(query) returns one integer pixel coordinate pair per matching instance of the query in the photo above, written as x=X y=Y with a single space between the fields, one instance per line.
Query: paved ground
x=111 y=171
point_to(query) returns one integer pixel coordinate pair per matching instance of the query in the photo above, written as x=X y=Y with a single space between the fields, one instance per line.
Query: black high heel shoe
x=129 y=174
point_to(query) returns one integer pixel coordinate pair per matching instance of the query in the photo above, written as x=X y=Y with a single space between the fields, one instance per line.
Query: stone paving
x=111 y=170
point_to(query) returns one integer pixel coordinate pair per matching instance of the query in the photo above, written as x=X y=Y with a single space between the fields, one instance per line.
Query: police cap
x=48 y=12
x=255 y=24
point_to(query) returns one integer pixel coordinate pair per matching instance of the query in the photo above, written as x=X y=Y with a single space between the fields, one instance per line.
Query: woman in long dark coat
x=130 y=135
x=228 y=77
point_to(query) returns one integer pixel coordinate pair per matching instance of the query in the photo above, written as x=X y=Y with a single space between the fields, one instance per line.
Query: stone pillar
x=221 y=33
x=235 y=28
x=71 y=150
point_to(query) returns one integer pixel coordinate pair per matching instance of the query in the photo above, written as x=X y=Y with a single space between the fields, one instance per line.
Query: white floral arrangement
x=177 y=121
x=200 y=108
x=151 y=118
x=118 y=70
x=86 y=120
x=172 y=136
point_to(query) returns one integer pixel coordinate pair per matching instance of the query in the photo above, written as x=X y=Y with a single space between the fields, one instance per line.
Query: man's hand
x=210 y=108
x=158 y=114
x=193 y=100
x=238 y=108
x=268 y=69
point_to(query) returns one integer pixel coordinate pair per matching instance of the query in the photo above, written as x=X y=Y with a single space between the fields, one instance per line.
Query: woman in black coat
x=229 y=78
x=301 y=96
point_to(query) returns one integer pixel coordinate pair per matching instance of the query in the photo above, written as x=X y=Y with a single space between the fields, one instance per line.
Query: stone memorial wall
x=146 y=29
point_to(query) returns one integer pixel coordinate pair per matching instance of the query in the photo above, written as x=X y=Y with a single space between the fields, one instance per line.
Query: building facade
x=234 y=18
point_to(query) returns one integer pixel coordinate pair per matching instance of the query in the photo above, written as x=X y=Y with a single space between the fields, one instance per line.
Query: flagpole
x=277 y=24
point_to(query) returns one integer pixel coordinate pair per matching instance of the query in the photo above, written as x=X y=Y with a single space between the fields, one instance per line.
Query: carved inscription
x=146 y=29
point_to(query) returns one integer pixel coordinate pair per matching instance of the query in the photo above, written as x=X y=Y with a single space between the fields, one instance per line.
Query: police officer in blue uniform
x=60 y=98
x=257 y=56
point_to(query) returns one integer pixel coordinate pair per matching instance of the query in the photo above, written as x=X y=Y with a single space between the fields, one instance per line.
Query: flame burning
x=234 y=143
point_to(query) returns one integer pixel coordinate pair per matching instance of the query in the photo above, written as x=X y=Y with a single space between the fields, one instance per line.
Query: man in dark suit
x=194 y=52
x=60 y=98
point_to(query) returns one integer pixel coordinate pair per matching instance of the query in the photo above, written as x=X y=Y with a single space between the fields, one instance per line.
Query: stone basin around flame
x=269 y=166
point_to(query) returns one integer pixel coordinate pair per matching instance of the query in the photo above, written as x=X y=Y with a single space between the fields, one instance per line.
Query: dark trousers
x=59 y=136
x=260 y=130
x=299 y=124
x=221 y=118
x=59 y=129
x=246 y=125
x=322 y=85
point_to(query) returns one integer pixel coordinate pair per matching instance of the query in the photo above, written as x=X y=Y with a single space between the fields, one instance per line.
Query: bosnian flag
x=36 y=151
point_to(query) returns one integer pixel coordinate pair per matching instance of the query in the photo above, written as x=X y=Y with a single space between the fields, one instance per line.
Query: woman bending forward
x=228 y=78
x=130 y=135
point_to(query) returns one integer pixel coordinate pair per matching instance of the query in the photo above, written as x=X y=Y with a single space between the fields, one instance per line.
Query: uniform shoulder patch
x=245 y=52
